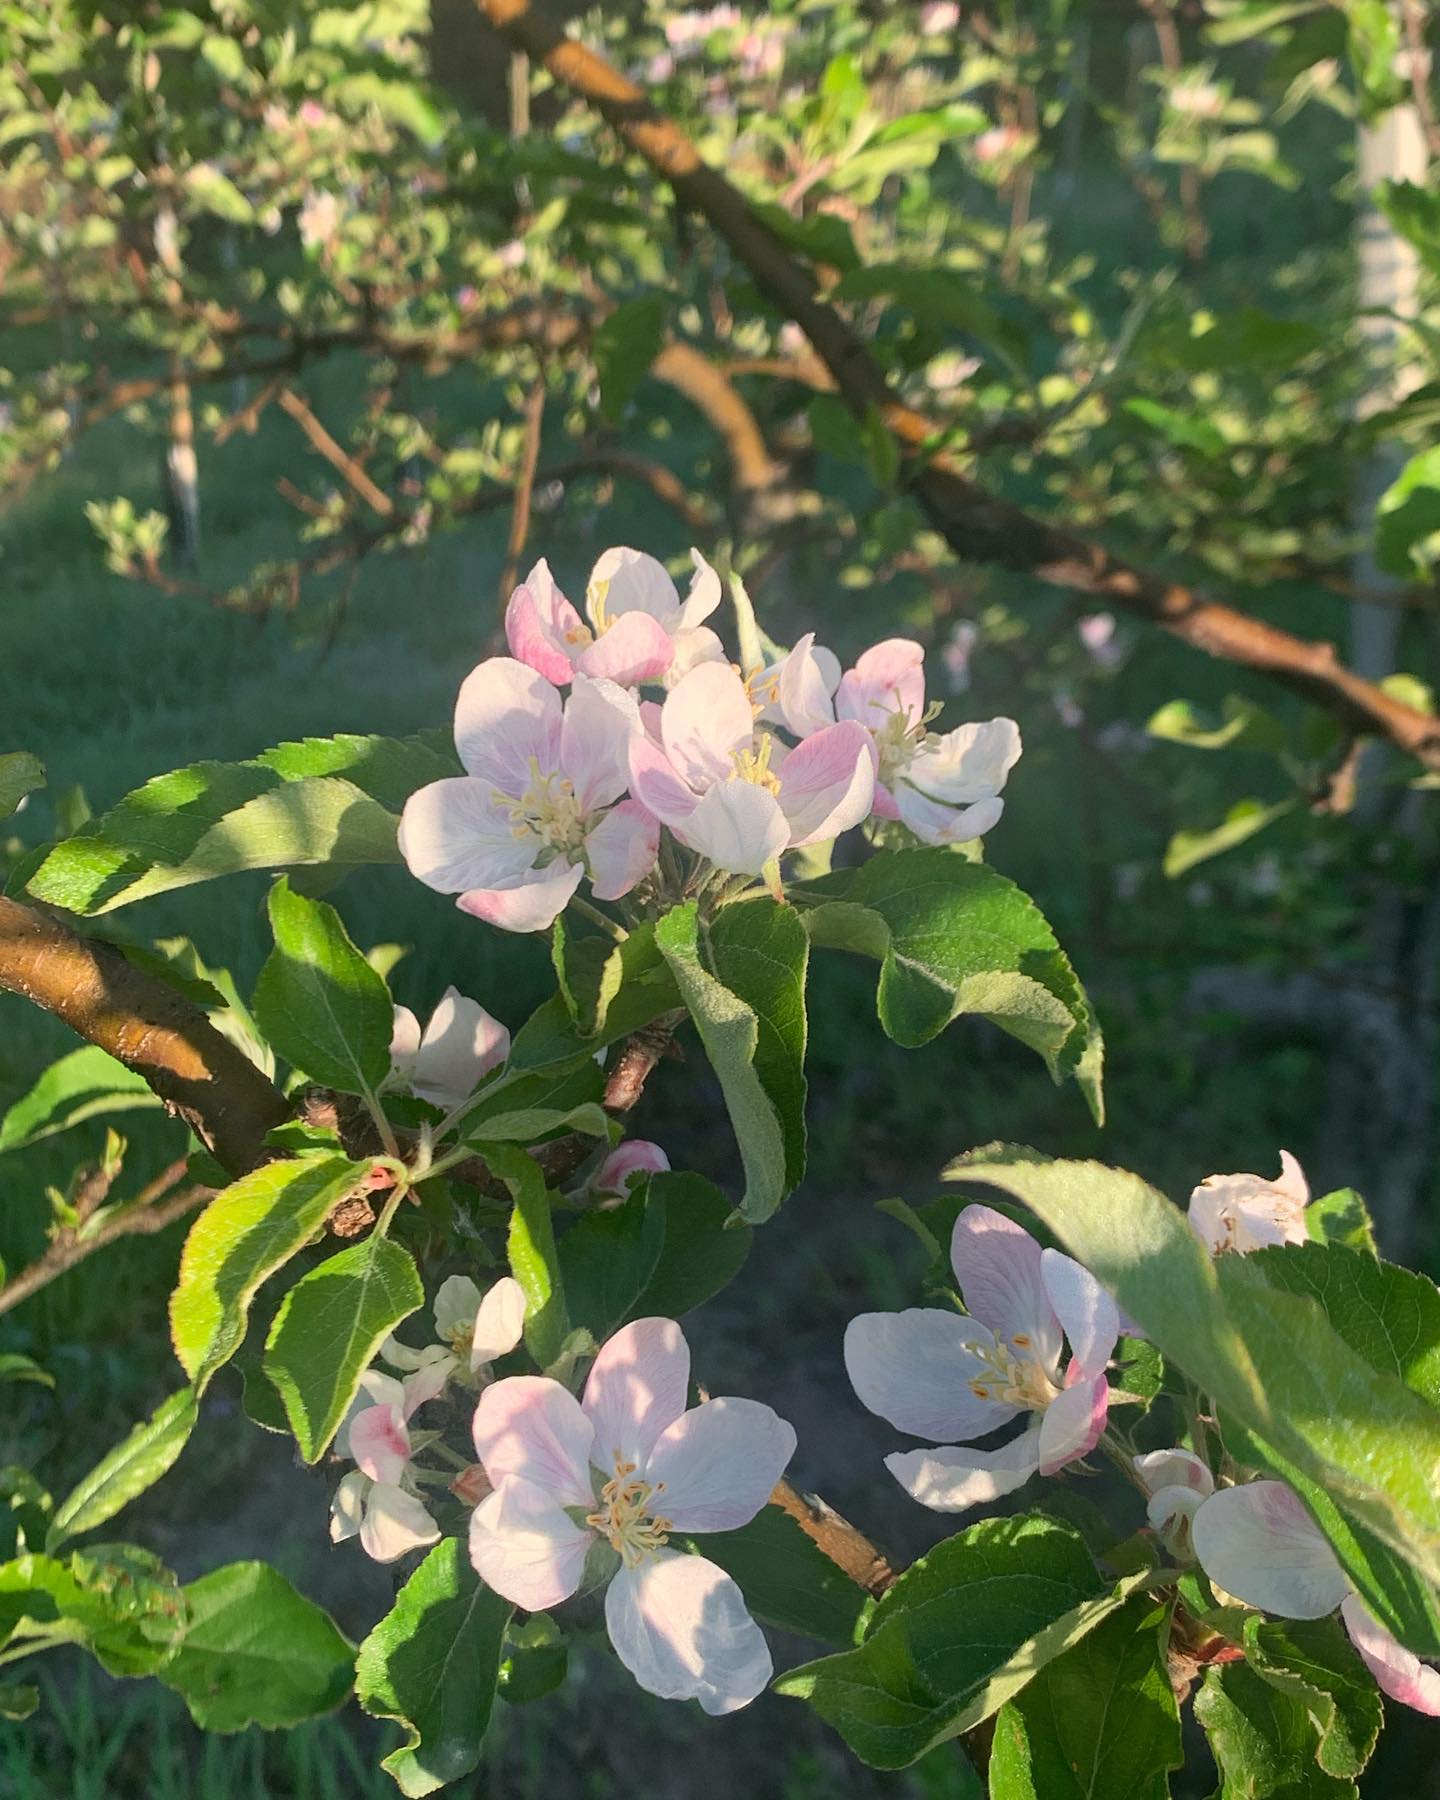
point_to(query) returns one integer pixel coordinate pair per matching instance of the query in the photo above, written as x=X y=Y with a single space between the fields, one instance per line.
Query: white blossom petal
x=531 y=903
x=347 y=1507
x=625 y=580
x=462 y=1044
x=395 y=1523
x=525 y=1546
x=1072 y=1423
x=499 y=1322
x=1258 y=1543
x=997 y=1264
x=682 y=1629
x=738 y=825
x=1398 y=1672
x=505 y=715
x=530 y=1426
x=637 y=1386
x=953 y=1479
x=717 y=1465
x=1088 y=1316
x=380 y=1443
x=455 y=836
x=914 y=1369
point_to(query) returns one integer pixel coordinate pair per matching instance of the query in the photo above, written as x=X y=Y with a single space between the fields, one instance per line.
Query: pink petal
x=622 y=849
x=693 y=647
x=462 y=1043
x=625 y=581
x=377 y=1389
x=717 y=1465
x=1088 y=1316
x=656 y=786
x=453 y=836
x=600 y=720
x=738 y=825
x=505 y=715
x=914 y=1369
x=530 y=904
x=542 y=628
x=883 y=806
x=635 y=648
x=637 y=1386
x=427 y=1382
x=804 y=695
x=1259 y=1544
x=1174 y=1468
x=499 y=1322
x=380 y=1443
x=953 y=1479
x=531 y=1427
x=703 y=597
x=705 y=720
x=1398 y=1672
x=997 y=1264
x=1072 y=1423
x=967 y=764
x=525 y=1546
x=827 y=784
x=636 y=1156
x=888 y=678
x=395 y=1523
x=682 y=1629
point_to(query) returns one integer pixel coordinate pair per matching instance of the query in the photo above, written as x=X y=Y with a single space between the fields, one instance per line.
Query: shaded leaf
x=81 y=1085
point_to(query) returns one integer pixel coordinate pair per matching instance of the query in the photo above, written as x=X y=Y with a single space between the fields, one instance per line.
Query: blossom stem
x=603 y=920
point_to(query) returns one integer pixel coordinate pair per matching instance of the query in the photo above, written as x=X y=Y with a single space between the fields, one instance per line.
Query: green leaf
x=257 y=1652
x=786 y=1578
x=1099 y=1723
x=20 y=774
x=1314 y=1663
x=136 y=1463
x=536 y=1658
x=765 y=1125
x=528 y=1124
x=15 y=1367
x=328 y=1329
x=534 y=1261
x=1263 y=1741
x=318 y=1001
x=960 y=1633
x=1318 y=1413
x=1187 y=849
x=953 y=937
x=1341 y=1218
x=81 y=1085
x=624 y=347
x=432 y=1663
x=120 y=1602
x=1407 y=520
x=703 y=1250
x=214 y=819
x=607 y=991
x=1185 y=430
x=1178 y=722
x=1415 y=213
x=759 y=950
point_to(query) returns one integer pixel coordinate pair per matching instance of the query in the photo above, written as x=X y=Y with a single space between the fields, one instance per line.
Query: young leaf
x=257 y=1653
x=432 y=1664
x=787 y=1580
x=328 y=1329
x=1341 y=1218
x=79 y=1086
x=606 y=1257
x=607 y=991
x=625 y=345
x=1264 y=1741
x=960 y=1633
x=1314 y=1662
x=136 y=1463
x=120 y=1602
x=243 y=1236
x=534 y=1261
x=15 y=1367
x=318 y=1001
x=20 y=774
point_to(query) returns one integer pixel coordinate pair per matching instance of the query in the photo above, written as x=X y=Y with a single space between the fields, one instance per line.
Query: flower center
x=896 y=742
x=460 y=1337
x=548 y=809
x=753 y=765
x=1013 y=1380
x=626 y=1518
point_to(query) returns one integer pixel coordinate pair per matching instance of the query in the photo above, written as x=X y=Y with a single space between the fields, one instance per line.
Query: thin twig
x=336 y=455
x=524 y=488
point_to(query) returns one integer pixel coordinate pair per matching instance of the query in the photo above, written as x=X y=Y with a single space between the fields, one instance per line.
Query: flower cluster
x=738 y=766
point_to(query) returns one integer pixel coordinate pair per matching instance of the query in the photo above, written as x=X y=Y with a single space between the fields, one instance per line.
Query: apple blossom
x=731 y=790
x=1259 y=1544
x=460 y=1045
x=377 y=1500
x=468 y=1325
x=639 y=628
x=536 y=810
x=945 y=1376
x=636 y=1156
x=625 y=1468
x=945 y=786
x=1176 y=1481
x=1247 y=1212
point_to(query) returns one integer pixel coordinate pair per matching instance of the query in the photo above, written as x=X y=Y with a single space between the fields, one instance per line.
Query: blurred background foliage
x=320 y=323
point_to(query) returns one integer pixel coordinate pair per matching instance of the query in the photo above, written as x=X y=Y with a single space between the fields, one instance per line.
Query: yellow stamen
x=625 y=1518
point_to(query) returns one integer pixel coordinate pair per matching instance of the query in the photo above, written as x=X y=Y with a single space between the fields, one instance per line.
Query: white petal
x=827 y=784
x=625 y=580
x=621 y=849
x=454 y=836
x=1174 y=1468
x=914 y=1369
x=530 y=1426
x=997 y=1264
x=804 y=694
x=637 y=1386
x=395 y=1522
x=506 y=714
x=1259 y=1544
x=600 y=720
x=428 y=1381
x=526 y=1547
x=682 y=1629
x=1088 y=1316
x=706 y=718
x=404 y=1042
x=531 y=903
x=703 y=597
x=462 y=1043
x=1072 y=1423
x=499 y=1323
x=968 y=764
x=738 y=825
x=1170 y=1508
x=1398 y=1672
x=347 y=1507
x=952 y=1479
x=457 y=1300
x=717 y=1465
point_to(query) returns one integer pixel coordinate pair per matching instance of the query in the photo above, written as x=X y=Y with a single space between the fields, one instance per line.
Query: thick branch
x=145 y=1024
x=979 y=526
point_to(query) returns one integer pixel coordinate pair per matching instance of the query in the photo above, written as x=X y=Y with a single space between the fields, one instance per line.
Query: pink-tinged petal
x=635 y=648
x=499 y=1322
x=693 y=647
x=637 y=1386
x=805 y=703
x=600 y=720
x=936 y=822
x=703 y=597
x=1398 y=1672
x=462 y=1043
x=1247 y=1212
x=705 y=720
x=1088 y=1316
x=656 y=786
x=1291 y=1180
x=1174 y=1468
x=1258 y=1543
x=533 y=904
x=622 y=849
x=525 y=1546
x=997 y=1264
x=738 y=825
x=505 y=715
x=378 y=1389
x=827 y=784
x=454 y=836
x=888 y=678
x=682 y=1629
x=531 y=1427
x=717 y=1465
x=968 y=764
x=636 y=1156
x=914 y=1368
x=404 y=1044
x=650 y=711
x=347 y=1507
x=625 y=581
x=1072 y=1423
x=380 y=1443
x=395 y=1523
x=542 y=628
x=1170 y=1511
x=952 y=1479
x=427 y=1383
x=883 y=805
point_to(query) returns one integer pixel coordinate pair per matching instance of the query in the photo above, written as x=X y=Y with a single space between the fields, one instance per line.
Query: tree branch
x=850 y=1550
x=338 y=457
x=979 y=526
